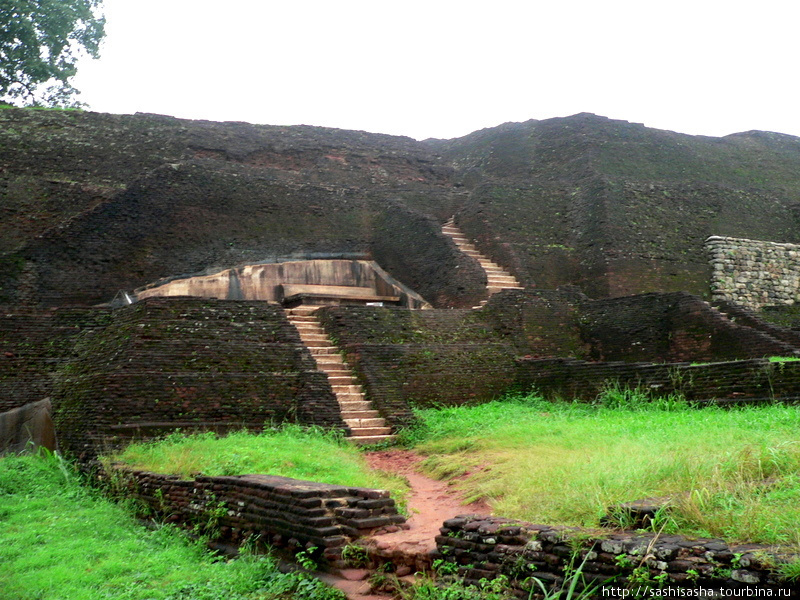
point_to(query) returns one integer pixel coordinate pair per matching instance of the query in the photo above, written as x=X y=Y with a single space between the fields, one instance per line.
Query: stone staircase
x=497 y=277
x=366 y=425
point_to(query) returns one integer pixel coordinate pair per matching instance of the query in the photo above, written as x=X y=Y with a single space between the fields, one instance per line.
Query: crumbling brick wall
x=272 y=510
x=486 y=547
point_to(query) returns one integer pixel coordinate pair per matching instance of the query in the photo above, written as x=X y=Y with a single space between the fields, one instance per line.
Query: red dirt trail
x=429 y=504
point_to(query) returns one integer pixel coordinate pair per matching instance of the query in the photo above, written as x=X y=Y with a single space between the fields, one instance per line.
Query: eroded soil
x=429 y=504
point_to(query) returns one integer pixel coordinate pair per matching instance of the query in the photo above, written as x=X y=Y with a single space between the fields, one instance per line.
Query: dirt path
x=429 y=504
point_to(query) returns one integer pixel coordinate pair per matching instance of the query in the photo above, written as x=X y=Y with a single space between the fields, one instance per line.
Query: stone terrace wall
x=485 y=547
x=421 y=358
x=756 y=380
x=538 y=322
x=32 y=345
x=754 y=273
x=749 y=318
x=282 y=512
x=412 y=247
x=166 y=363
x=669 y=327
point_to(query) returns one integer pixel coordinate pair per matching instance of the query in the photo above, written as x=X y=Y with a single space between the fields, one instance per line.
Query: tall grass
x=292 y=451
x=733 y=473
x=59 y=541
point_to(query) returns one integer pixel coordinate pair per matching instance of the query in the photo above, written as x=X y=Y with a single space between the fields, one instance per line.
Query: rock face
x=93 y=203
x=27 y=428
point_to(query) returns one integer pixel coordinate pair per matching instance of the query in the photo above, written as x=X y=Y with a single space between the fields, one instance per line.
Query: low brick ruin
x=269 y=510
x=486 y=547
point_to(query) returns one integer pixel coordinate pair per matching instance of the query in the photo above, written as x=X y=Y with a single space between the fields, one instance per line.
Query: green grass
x=735 y=472
x=59 y=540
x=308 y=454
x=783 y=359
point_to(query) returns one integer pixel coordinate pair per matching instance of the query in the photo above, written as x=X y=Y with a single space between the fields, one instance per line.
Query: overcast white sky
x=444 y=68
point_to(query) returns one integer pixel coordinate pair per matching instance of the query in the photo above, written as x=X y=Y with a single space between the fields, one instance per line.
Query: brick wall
x=485 y=547
x=184 y=362
x=33 y=343
x=539 y=323
x=755 y=380
x=749 y=318
x=421 y=358
x=669 y=327
x=282 y=512
x=412 y=247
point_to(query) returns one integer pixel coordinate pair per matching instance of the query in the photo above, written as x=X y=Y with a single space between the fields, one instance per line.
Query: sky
x=443 y=68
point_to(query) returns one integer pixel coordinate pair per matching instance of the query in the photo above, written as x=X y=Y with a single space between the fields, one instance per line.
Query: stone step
x=346 y=389
x=351 y=397
x=324 y=350
x=303 y=310
x=354 y=405
x=365 y=440
x=359 y=431
x=309 y=328
x=500 y=282
x=303 y=319
x=342 y=380
x=307 y=336
x=335 y=370
x=365 y=423
x=322 y=343
x=329 y=360
x=360 y=414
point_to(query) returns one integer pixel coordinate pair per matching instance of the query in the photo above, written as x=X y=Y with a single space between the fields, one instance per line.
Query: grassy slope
x=60 y=541
x=567 y=463
x=289 y=452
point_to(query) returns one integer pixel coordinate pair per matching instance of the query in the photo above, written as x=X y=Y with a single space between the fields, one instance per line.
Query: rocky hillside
x=93 y=203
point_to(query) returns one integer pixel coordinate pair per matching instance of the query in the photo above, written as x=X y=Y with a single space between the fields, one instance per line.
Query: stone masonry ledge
x=277 y=511
x=488 y=547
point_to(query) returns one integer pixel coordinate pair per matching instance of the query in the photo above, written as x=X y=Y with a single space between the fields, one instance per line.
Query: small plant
x=445 y=567
x=790 y=571
x=640 y=576
x=355 y=556
x=574 y=586
x=661 y=579
x=623 y=561
x=305 y=559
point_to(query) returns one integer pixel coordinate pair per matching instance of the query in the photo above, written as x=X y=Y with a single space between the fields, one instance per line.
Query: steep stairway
x=366 y=425
x=497 y=277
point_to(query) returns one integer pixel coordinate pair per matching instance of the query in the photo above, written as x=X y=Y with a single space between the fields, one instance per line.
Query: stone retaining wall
x=754 y=273
x=33 y=344
x=412 y=247
x=167 y=363
x=421 y=358
x=280 y=511
x=741 y=381
x=486 y=547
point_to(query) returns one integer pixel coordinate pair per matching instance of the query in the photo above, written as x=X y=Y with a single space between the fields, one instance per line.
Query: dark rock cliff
x=93 y=203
